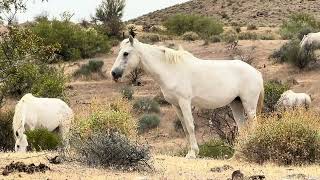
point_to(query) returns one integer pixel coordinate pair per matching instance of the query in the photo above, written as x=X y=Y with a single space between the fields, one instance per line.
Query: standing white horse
x=32 y=112
x=310 y=39
x=186 y=80
x=290 y=99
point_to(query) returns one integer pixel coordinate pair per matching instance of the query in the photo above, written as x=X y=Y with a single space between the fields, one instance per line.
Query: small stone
x=237 y=175
x=257 y=177
x=216 y=169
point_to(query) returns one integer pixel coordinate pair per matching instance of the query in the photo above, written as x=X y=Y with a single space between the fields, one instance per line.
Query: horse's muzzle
x=116 y=74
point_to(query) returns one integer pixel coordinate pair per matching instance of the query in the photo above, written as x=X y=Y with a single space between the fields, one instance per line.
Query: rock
x=257 y=177
x=237 y=175
x=221 y=169
x=56 y=160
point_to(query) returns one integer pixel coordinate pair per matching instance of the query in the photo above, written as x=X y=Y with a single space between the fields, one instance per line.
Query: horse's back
x=45 y=112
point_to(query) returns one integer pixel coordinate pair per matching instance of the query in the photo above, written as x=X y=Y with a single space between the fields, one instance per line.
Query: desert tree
x=10 y=8
x=109 y=13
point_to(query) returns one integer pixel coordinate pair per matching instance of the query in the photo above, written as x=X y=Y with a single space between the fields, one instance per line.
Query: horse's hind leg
x=238 y=112
x=185 y=106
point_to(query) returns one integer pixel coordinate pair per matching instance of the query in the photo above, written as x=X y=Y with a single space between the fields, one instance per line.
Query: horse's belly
x=210 y=104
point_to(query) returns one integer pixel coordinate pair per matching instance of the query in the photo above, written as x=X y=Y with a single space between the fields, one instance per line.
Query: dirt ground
x=165 y=168
x=164 y=140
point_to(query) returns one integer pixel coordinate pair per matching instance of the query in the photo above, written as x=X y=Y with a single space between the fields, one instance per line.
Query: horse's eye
x=18 y=146
x=125 y=54
x=17 y=134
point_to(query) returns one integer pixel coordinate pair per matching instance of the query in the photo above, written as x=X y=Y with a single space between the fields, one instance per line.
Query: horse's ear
x=131 y=39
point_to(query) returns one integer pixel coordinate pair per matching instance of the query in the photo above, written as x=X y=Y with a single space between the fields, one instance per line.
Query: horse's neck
x=151 y=58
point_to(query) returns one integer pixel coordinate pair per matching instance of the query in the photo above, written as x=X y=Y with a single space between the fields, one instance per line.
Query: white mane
x=175 y=56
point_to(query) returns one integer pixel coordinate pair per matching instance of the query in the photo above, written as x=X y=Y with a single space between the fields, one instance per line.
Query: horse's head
x=128 y=59
x=21 y=141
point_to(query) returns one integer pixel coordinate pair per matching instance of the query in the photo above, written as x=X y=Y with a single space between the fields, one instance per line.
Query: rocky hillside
x=243 y=12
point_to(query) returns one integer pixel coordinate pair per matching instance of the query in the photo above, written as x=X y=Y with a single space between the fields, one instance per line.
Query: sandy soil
x=165 y=167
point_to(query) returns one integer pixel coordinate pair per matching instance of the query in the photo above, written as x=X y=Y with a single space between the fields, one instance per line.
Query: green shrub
x=204 y=26
x=22 y=54
x=146 y=105
x=127 y=92
x=292 y=53
x=75 y=41
x=51 y=83
x=267 y=36
x=108 y=118
x=6 y=133
x=297 y=24
x=215 y=39
x=304 y=31
x=292 y=138
x=273 y=91
x=42 y=139
x=147 y=122
x=229 y=36
x=252 y=27
x=149 y=38
x=216 y=149
x=40 y=80
x=247 y=36
x=93 y=66
x=190 y=36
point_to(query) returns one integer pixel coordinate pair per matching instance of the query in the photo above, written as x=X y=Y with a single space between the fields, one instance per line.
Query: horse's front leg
x=180 y=116
x=185 y=106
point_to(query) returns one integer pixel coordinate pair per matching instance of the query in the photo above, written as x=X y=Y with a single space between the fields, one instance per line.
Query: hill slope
x=259 y=12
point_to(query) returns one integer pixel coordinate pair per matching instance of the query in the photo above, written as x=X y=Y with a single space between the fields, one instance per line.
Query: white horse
x=32 y=112
x=310 y=39
x=186 y=80
x=290 y=99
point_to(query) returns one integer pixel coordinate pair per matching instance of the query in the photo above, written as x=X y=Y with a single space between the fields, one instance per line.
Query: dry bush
x=135 y=76
x=287 y=138
x=245 y=55
x=150 y=38
x=190 y=36
x=220 y=122
x=112 y=150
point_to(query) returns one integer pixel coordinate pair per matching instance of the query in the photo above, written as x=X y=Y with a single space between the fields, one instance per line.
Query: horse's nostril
x=113 y=73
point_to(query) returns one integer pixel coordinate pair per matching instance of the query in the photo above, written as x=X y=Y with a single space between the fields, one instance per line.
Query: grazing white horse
x=310 y=39
x=290 y=99
x=186 y=80
x=32 y=112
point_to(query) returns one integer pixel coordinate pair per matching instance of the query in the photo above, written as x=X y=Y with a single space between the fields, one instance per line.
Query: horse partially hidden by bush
x=186 y=80
x=32 y=113
x=310 y=40
x=290 y=100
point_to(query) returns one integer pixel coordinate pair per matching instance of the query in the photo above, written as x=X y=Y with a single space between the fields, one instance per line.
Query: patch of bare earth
x=165 y=167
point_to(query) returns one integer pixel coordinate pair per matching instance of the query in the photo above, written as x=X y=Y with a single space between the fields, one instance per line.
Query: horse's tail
x=260 y=102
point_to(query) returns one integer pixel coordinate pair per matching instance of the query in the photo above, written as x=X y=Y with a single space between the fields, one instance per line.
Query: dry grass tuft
x=286 y=138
